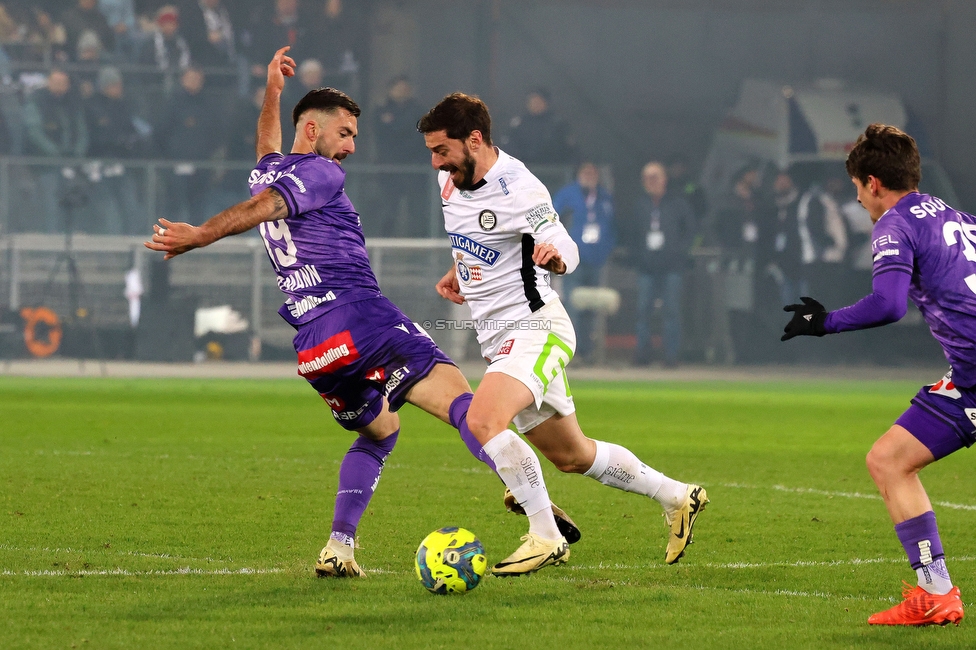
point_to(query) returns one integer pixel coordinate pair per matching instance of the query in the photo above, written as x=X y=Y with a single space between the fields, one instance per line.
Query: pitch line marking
x=845 y=495
x=125 y=572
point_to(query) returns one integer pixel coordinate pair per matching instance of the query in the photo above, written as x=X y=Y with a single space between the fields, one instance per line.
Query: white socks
x=934 y=578
x=518 y=467
x=620 y=468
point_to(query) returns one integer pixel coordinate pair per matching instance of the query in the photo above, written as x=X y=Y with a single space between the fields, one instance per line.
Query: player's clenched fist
x=546 y=256
x=449 y=288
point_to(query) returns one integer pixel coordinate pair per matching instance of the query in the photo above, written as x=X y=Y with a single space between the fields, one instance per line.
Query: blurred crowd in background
x=87 y=85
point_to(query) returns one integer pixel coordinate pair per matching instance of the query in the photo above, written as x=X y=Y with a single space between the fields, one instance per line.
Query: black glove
x=808 y=319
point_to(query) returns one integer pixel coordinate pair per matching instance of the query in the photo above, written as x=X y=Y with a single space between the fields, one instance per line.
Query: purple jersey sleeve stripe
x=287 y=195
x=887 y=303
x=900 y=268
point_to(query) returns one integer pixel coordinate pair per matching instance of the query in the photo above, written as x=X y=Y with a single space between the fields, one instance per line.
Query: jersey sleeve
x=309 y=184
x=892 y=245
x=535 y=215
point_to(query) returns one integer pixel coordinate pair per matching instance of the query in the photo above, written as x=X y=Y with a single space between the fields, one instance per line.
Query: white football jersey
x=493 y=230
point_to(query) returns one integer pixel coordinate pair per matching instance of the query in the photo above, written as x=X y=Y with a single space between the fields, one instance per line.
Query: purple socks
x=459 y=420
x=358 y=475
x=920 y=537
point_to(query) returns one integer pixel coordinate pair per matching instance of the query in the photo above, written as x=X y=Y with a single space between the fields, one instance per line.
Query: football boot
x=563 y=521
x=534 y=554
x=919 y=607
x=682 y=520
x=336 y=561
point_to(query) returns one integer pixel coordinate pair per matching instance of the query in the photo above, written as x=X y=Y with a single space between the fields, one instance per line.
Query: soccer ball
x=450 y=561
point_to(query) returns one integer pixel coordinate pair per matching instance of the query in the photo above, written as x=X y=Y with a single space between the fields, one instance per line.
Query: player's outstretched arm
x=269 y=122
x=449 y=288
x=178 y=238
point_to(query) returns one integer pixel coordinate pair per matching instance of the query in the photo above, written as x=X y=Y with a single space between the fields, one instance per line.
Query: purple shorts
x=356 y=355
x=942 y=417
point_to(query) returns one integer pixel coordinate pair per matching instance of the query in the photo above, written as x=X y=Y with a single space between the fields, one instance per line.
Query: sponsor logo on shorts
x=487 y=220
x=946 y=388
x=330 y=355
x=396 y=378
x=971 y=414
x=303 y=306
x=335 y=402
x=349 y=416
x=506 y=347
x=376 y=374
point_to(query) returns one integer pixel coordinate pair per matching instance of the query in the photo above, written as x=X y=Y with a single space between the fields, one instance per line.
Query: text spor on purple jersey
x=936 y=245
x=318 y=251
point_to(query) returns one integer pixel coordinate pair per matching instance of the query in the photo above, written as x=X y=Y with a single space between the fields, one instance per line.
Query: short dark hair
x=324 y=99
x=887 y=153
x=459 y=115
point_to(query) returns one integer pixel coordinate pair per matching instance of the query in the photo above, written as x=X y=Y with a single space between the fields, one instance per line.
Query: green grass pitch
x=188 y=514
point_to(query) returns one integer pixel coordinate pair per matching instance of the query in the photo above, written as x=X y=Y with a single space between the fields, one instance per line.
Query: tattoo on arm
x=280 y=208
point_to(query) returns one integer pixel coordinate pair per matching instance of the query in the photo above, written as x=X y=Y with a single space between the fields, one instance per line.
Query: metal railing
x=127 y=196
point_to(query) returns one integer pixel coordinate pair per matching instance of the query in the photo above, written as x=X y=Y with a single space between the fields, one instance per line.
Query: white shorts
x=537 y=354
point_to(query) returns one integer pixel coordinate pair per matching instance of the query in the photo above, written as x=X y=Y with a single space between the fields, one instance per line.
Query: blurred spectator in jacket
x=85 y=17
x=91 y=52
x=121 y=17
x=662 y=232
x=285 y=27
x=54 y=119
x=11 y=112
x=241 y=135
x=823 y=243
x=188 y=132
x=586 y=208
x=33 y=30
x=207 y=26
x=167 y=49
x=116 y=134
x=405 y=203
x=342 y=29
x=682 y=182
x=56 y=128
x=778 y=248
x=538 y=135
x=735 y=221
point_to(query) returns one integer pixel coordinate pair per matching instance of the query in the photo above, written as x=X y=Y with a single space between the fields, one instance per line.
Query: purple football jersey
x=318 y=251
x=936 y=244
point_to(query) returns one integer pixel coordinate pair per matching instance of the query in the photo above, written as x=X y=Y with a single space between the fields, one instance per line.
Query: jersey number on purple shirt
x=279 y=231
x=967 y=235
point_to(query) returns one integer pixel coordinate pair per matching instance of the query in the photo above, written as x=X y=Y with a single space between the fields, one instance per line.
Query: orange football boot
x=922 y=608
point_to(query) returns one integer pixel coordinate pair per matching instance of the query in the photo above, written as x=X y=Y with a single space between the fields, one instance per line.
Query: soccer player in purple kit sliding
x=923 y=250
x=361 y=353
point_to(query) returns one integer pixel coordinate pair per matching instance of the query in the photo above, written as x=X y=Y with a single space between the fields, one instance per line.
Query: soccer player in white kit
x=506 y=240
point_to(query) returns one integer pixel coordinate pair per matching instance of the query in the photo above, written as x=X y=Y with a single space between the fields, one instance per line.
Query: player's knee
x=482 y=425
x=882 y=462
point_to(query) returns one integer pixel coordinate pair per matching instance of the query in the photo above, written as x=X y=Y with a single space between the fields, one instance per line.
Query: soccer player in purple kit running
x=362 y=354
x=923 y=250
